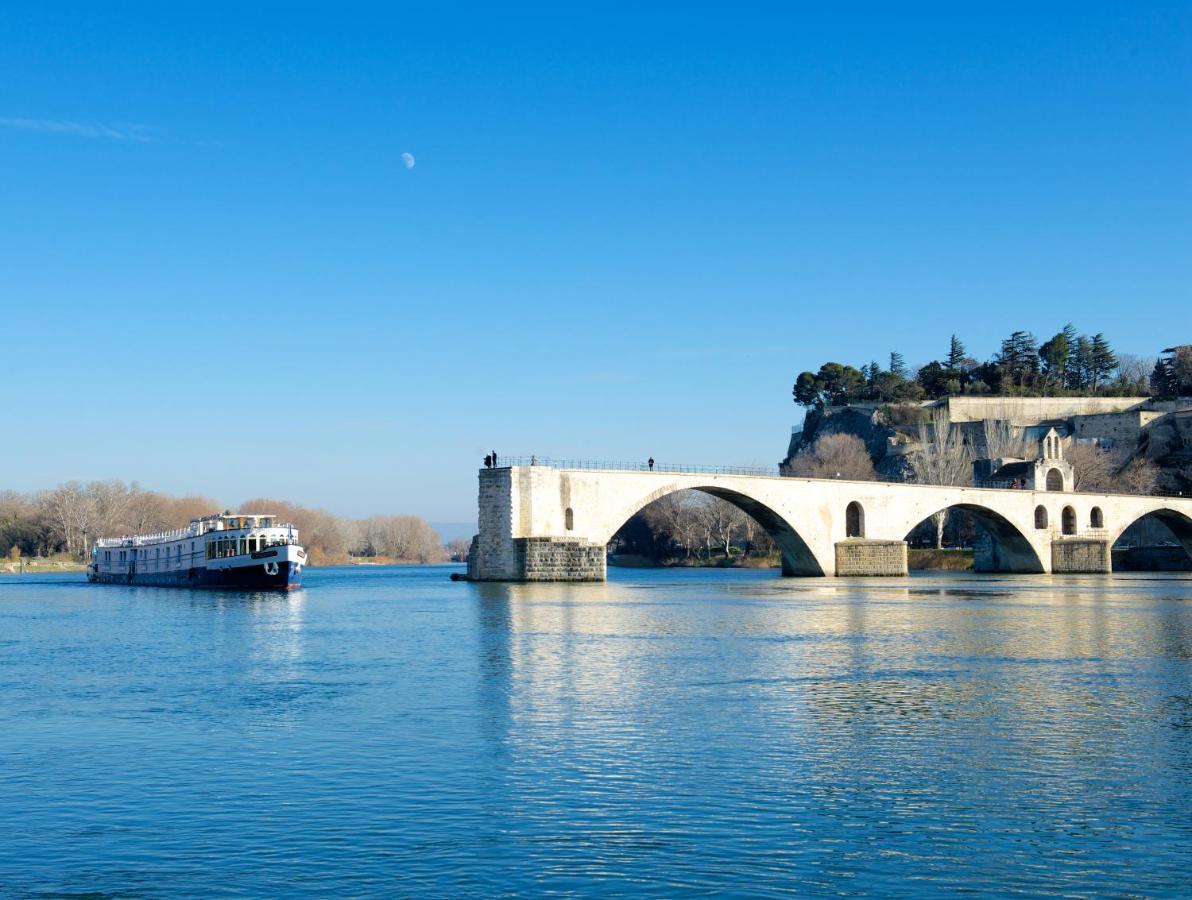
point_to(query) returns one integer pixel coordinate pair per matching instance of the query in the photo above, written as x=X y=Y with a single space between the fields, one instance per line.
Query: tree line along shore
x=51 y=530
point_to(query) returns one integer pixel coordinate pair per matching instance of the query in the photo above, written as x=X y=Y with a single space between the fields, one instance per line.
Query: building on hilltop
x=1158 y=430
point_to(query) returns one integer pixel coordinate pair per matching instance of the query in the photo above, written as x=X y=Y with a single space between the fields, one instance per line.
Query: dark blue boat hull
x=258 y=577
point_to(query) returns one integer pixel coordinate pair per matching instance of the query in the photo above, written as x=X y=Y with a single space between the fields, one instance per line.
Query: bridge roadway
x=547 y=523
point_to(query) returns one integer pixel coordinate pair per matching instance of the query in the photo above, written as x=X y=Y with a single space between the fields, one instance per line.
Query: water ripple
x=387 y=732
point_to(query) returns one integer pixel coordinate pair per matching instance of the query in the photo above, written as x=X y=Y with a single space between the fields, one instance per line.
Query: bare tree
x=724 y=522
x=406 y=538
x=1135 y=371
x=1005 y=439
x=941 y=458
x=835 y=456
x=62 y=509
x=675 y=517
x=1111 y=472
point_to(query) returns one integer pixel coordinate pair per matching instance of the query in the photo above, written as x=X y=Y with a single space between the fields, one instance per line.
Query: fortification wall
x=1033 y=410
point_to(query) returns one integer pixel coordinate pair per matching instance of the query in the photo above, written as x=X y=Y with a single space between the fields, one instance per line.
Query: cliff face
x=1165 y=439
x=883 y=442
x=1168 y=441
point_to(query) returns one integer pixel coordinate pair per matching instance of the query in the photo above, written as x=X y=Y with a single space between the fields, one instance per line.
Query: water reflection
x=388 y=731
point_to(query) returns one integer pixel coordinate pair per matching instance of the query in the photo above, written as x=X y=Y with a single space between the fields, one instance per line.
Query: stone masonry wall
x=858 y=556
x=493 y=550
x=1080 y=555
x=559 y=559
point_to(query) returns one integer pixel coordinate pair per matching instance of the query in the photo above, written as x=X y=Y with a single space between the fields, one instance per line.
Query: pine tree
x=897 y=364
x=1080 y=361
x=1054 y=354
x=955 y=353
x=1162 y=380
x=1102 y=361
x=1019 y=359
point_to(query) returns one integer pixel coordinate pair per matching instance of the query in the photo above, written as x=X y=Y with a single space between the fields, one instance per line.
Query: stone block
x=1076 y=555
x=862 y=556
x=559 y=559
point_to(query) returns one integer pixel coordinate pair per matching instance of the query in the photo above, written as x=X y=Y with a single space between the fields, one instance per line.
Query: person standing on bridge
x=494 y=459
x=488 y=462
x=650 y=463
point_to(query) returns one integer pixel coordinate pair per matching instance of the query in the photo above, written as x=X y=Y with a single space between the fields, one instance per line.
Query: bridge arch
x=1011 y=550
x=797 y=557
x=1178 y=523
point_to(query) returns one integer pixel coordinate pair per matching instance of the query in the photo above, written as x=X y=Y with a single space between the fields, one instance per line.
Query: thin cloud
x=119 y=132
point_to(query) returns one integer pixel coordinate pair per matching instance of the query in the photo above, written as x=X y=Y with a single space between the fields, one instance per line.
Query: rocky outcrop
x=886 y=443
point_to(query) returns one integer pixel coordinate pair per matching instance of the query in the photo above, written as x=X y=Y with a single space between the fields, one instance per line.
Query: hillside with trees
x=1066 y=364
x=66 y=519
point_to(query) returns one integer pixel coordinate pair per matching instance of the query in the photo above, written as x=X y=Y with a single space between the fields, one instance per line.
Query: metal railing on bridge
x=605 y=465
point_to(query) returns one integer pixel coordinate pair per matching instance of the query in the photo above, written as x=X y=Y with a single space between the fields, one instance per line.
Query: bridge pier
x=1081 y=556
x=859 y=556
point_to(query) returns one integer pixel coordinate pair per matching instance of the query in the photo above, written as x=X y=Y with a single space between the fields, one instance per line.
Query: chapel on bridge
x=1050 y=471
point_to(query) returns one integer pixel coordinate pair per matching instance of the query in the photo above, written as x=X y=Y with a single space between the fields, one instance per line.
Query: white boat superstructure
x=224 y=550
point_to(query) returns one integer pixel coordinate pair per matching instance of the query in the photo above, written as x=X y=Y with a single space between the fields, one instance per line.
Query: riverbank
x=941 y=560
x=35 y=564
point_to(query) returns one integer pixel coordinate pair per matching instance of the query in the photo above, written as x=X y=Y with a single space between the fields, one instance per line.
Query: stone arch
x=1055 y=480
x=1178 y=523
x=797 y=557
x=1096 y=518
x=1040 y=517
x=854 y=520
x=1068 y=520
x=1010 y=549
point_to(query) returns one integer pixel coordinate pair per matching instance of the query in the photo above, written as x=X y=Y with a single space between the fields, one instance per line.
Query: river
x=387 y=732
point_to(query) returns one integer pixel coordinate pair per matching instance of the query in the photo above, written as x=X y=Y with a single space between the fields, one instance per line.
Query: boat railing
x=191 y=531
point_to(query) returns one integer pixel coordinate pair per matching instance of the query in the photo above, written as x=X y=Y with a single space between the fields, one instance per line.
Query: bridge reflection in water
x=952 y=721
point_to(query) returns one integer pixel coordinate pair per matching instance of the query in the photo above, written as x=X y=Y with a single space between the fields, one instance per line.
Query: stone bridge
x=544 y=523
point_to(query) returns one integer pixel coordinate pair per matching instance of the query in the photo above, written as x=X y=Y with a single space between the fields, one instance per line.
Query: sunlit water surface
x=388 y=732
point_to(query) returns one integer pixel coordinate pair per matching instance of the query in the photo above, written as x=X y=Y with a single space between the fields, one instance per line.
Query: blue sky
x=626 y=231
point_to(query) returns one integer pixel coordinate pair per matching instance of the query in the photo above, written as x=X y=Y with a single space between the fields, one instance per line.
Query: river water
x=388 y=732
